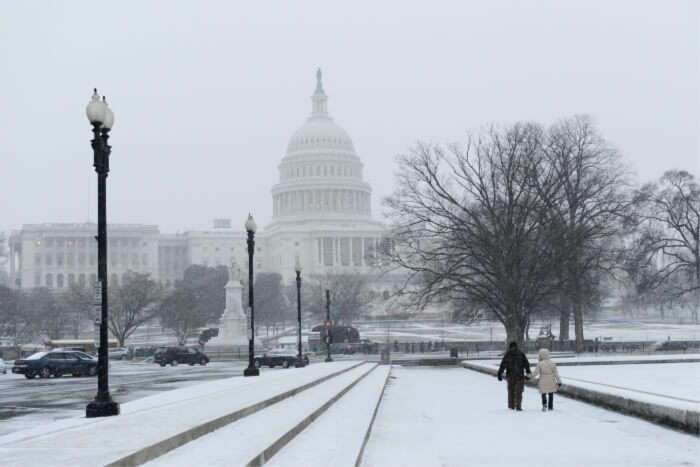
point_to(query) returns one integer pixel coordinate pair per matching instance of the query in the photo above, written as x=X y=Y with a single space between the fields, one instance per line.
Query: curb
x=687 y=421
x=153 y=451
x=358 y=461
x=271 y=450
x=601 y=362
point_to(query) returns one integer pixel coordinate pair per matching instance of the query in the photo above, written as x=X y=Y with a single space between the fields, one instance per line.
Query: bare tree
x=78 y=303
x=178 y=311
x=472 y=225
x=17 y=318
x=589 y=204
x=349 y=294
x=671 y=210
x=132 y=304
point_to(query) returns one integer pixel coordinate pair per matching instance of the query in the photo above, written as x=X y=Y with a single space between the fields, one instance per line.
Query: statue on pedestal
x=233 y=322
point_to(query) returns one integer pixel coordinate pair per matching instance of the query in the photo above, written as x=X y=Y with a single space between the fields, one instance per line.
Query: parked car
x=3 y=366
x=141 y=352
x=118 y=353
x=56 y=363
x=283 y=357
x=670 y=345
x=175 y=355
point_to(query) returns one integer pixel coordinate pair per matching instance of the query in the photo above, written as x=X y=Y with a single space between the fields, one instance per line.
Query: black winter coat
x=515 y=364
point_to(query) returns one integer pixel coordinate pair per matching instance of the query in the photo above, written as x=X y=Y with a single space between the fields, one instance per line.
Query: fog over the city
x=207 y=94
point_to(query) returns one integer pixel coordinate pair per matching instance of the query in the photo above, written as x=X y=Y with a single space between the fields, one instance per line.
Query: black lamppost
x=328 y=324
x=102 y=119
x=300 y=359
x=250 y=227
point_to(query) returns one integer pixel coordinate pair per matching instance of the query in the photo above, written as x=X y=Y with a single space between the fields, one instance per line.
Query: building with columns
x=322 y=209
x=322 y=213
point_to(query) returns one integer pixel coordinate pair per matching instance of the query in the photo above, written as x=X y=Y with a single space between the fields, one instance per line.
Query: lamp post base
x=328 y=359
x=300 y=363
x=251 y=371
x=106 y=408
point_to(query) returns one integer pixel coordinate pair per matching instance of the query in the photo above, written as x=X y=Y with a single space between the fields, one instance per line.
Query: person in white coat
x=549 y=381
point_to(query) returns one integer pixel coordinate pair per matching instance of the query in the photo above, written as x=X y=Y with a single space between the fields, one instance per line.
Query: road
x=25 y=402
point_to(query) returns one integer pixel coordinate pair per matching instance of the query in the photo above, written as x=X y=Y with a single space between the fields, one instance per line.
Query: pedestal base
x=101 y=409
x=251 y=371
x=328 y=359
x=300 y=363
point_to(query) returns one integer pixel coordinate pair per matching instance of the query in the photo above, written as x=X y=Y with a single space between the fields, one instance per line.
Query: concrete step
x=337 y=438
x=152 y=426
x=255 y=439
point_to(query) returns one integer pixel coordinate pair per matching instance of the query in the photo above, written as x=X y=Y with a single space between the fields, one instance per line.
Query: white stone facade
x=321 y=213
x=321 y=205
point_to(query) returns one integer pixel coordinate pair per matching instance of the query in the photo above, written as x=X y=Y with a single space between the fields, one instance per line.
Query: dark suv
x=56 y=364
x=175 y=355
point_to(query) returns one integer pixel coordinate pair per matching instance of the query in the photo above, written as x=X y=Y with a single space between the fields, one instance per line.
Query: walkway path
x=457 y=417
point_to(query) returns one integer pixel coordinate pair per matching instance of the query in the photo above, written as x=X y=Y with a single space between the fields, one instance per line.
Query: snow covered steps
x=255 y=439
x=150 y=427
x=338 y=437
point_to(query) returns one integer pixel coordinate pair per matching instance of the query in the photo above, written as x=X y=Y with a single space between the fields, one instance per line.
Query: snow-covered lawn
x=670 y=384
x=618 y=330
x=455 y=417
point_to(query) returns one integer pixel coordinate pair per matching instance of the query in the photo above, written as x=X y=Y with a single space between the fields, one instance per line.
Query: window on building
x=71 y=279
x=81 y=280
x=37 y=259
x=59 y=281
x=48 y=259
x=59 y=259
x=37 y=279
x=93 y=279
x=70 y=259
x=81 y=259
x=49 y=280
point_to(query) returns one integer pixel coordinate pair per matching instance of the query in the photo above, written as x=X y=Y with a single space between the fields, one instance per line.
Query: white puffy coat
x=546 y=369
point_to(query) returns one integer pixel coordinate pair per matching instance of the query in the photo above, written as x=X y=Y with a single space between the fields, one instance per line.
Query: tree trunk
x=565 y=312
x=514 y=332
x=578 y=327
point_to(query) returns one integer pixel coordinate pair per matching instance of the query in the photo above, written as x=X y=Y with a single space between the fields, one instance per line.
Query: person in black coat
x=515 y=365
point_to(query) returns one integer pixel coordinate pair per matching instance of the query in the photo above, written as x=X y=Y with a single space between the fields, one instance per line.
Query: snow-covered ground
x=618 y=330
x=146 y=421
x=671 y=384
x=453 y=417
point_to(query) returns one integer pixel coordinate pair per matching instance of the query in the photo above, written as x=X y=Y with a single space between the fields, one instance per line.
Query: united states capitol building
x=321 y=214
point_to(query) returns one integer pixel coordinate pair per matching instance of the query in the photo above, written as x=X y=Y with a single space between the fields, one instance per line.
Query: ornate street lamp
x=101 y=118
x=328 y=324
x=300 y=359
x=250 y=227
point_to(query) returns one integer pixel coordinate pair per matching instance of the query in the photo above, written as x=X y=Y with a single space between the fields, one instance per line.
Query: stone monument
x=233 y=324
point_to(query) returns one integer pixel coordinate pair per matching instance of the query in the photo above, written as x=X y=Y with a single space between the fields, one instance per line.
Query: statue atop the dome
x=319 y=85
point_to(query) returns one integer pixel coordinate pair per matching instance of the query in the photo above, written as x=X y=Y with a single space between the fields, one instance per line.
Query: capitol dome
x=321 y=205
x=318 y=134
x=321 y=174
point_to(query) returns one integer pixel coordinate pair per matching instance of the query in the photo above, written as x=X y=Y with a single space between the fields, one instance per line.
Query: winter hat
x=513 y=345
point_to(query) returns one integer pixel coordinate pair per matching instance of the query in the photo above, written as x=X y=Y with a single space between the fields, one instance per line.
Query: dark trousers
x=515 y=392
x=550 y=403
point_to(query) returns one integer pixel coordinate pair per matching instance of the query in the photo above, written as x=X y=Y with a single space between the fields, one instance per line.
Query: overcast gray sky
x=206 y=94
